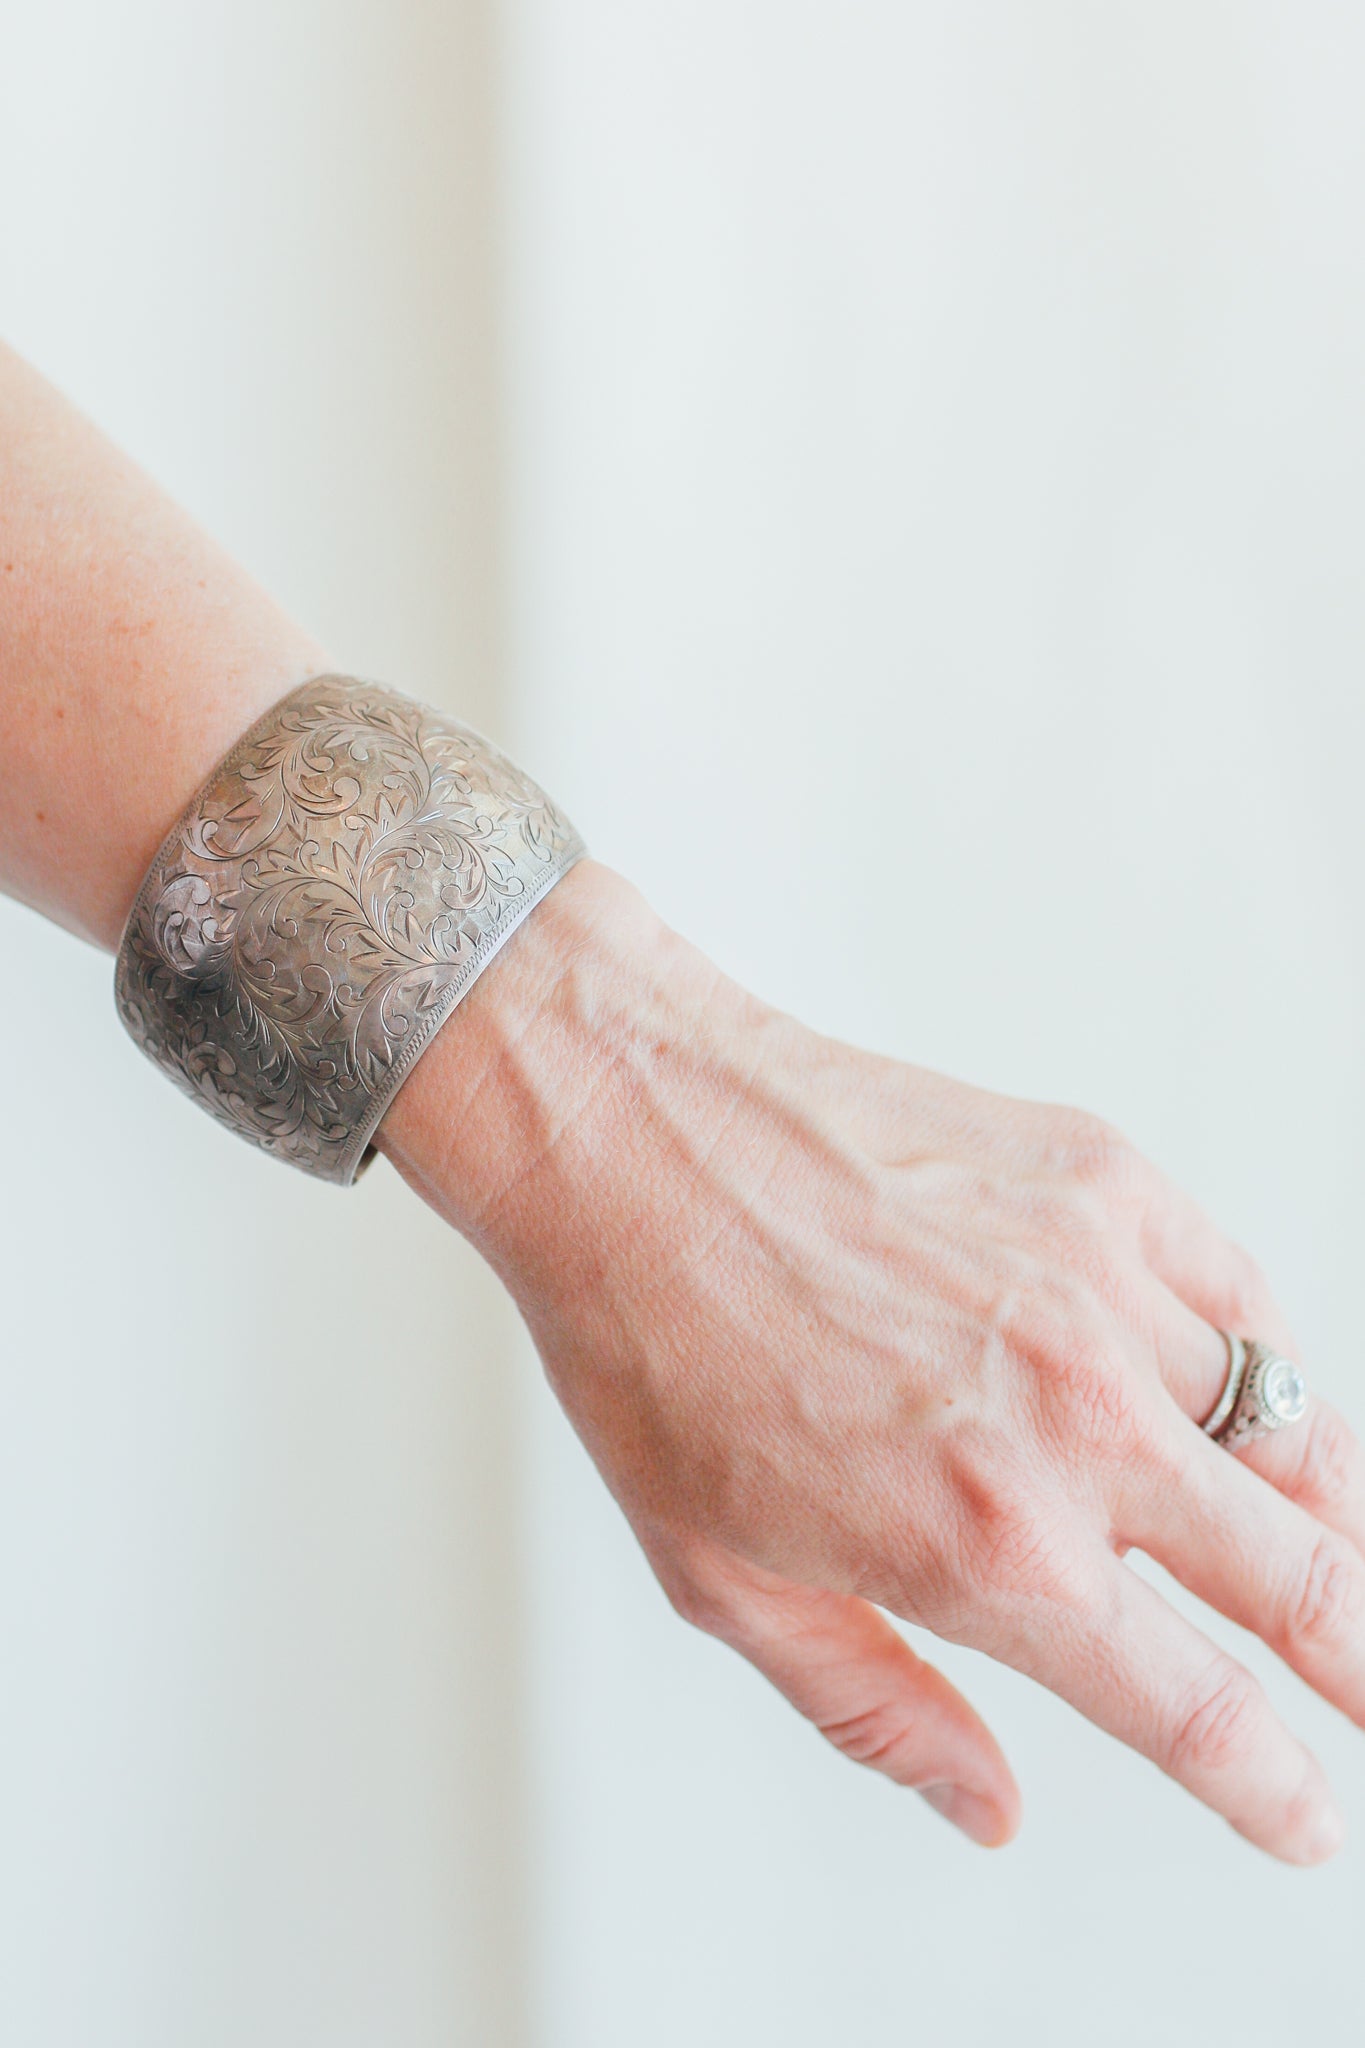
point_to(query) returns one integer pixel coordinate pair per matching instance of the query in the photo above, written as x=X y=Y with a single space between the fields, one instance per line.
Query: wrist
x=526 y=1100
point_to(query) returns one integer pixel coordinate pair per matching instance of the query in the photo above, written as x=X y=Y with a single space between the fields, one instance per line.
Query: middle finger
x=1258 y=1557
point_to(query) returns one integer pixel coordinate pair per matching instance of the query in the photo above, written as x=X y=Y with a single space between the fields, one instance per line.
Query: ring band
x=1232 y=1385
x=1264 y=1391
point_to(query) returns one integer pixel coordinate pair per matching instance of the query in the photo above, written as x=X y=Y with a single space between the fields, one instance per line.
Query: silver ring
x=1264 y=1391
x=1232 y=1385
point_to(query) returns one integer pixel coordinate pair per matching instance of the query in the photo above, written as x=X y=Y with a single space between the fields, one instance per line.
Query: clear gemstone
x=1284 y=1392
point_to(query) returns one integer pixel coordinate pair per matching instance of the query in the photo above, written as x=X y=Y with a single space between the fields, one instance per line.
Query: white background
x=896 y=472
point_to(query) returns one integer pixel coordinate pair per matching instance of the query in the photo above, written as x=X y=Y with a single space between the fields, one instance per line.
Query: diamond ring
x=1264 y=1391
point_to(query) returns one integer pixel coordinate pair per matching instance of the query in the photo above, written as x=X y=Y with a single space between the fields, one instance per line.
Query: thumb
x=841 y=1663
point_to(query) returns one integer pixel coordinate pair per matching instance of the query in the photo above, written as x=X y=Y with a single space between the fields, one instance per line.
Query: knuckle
x=881 y=1736
x=1106 y=1398
x=1327 y=1460
x=1016 y=1545
x=1089 y=1266
x=1116 y=1282
x=1094 y=1153
x=702 y=1607
x=1219 y=1723
x=1328 y=1603
x=1092 y=1385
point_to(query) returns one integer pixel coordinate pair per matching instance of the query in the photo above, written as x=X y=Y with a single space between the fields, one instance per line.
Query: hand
x=843 y=1335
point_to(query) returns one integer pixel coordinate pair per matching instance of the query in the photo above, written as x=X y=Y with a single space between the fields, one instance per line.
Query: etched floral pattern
x=321 y=907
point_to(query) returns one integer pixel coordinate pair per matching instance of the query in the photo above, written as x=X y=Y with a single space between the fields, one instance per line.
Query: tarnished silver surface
x=321 y=907
x=1232 y=1385
x=1270 y=1394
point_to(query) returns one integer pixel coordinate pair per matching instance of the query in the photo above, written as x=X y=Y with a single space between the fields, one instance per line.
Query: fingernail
x=976 y=1816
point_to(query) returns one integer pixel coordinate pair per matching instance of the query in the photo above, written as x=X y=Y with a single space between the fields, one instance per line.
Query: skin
x=846 y=1339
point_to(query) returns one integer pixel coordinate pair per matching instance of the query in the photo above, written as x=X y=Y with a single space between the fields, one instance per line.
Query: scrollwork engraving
x=321 y=907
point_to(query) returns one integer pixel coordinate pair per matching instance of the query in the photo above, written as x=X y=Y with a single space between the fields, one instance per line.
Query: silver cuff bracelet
x=336 y=886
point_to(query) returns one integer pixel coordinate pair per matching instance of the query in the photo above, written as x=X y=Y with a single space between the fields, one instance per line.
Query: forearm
x=834 y=1329
x=133 y=652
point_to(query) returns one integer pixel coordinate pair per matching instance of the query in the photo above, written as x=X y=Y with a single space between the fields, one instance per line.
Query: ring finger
x=1206 y=1285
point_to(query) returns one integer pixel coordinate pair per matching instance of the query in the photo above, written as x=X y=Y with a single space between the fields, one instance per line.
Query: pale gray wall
x=939 y=497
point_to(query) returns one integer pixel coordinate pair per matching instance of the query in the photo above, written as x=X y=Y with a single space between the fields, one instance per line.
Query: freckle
x=61 y=711
x=41 y=816
x=9 y=568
